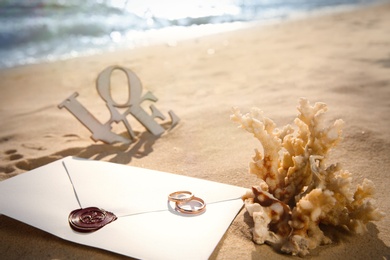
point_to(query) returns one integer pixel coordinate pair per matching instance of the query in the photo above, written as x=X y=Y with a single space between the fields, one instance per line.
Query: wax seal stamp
x=90 y=219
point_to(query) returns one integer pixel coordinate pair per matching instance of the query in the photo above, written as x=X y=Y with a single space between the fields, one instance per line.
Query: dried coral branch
x=297 y=190
x=264 y=166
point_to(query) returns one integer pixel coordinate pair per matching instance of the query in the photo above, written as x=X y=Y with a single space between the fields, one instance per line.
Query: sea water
x=33 y=31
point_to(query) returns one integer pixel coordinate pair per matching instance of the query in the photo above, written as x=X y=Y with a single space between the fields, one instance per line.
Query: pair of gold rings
x=187 y=203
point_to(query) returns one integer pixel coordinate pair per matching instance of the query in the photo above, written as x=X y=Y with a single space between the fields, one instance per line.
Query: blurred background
x=33 y=31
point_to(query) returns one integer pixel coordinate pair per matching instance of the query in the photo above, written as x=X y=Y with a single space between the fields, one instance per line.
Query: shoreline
x=170 y=35
x=340 y=59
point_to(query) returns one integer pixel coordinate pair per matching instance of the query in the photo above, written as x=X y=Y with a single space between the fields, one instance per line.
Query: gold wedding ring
x=187 y=203
x=180 y=196
x=188 y=207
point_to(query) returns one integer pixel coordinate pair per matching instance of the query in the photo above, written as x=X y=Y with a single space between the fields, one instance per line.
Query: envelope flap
x=130 y=190
x=41 y=197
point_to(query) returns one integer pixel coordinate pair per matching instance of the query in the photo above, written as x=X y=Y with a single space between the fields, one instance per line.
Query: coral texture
x=297 y=190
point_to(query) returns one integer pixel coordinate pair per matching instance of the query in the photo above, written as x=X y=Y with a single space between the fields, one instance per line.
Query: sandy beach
x=341 y=59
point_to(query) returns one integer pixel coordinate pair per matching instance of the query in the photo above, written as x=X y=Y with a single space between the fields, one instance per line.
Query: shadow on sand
x=116 y=153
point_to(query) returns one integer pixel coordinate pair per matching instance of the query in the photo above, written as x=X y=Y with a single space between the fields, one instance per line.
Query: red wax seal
x=90 y=219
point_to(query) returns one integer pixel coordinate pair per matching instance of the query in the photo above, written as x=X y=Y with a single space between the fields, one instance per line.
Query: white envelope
x=147 y=226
